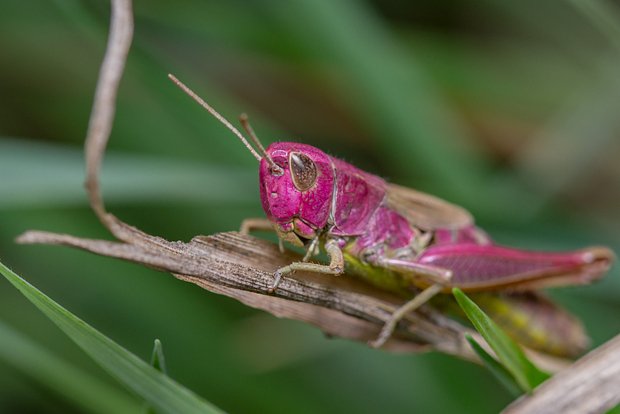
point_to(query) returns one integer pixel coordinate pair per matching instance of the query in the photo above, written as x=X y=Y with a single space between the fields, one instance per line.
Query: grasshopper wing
x=425 y=211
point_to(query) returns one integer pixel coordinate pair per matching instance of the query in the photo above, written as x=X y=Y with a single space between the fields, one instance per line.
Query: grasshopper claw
x=276 y=282
x=385 y=334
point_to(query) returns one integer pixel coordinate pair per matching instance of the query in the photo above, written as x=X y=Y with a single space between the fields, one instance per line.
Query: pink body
x=349 y=205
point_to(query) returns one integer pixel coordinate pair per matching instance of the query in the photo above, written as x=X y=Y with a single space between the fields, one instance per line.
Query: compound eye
x=303 y=171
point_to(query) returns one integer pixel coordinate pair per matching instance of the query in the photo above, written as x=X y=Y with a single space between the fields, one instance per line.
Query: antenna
x=220 y=118
x=245 y=122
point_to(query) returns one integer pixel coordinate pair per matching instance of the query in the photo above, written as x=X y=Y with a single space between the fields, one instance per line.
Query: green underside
x=514 y=313
x=385 y=279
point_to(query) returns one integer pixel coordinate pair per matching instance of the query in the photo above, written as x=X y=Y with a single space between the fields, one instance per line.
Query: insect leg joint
x=335 y=267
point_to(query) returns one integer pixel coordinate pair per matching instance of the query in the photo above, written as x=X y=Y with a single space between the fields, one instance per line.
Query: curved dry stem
x=104 y=104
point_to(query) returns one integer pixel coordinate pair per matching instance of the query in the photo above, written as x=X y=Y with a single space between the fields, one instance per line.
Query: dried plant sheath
x=242 y=267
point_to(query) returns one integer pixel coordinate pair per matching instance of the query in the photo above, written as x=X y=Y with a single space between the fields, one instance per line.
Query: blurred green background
x=507 y=108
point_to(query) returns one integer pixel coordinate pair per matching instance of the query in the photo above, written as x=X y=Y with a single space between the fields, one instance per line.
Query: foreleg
x=259 y=223
x=255 y=223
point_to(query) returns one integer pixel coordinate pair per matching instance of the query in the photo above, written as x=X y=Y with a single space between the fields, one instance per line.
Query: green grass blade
x=527 y=375
x=161 y=392
x=159 y=363
x=497 y=369
x=87 y=392
x=157 y=359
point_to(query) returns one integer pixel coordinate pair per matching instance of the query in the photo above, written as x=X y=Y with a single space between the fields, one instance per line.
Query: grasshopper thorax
x=297 y=195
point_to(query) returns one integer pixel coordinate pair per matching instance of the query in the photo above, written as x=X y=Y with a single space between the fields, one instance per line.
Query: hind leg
x=437 y=277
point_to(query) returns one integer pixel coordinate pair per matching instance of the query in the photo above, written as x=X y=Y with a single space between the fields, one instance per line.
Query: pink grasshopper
x=400 y=239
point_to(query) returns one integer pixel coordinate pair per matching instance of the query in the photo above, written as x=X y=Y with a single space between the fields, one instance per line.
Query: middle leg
x=439 y=278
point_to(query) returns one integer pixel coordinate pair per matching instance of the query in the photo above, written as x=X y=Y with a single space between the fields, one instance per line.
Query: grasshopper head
x=297 y=195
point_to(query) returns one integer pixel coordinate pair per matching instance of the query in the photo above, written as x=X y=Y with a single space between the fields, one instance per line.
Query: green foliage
x=615 y=410
x=511 y=113
x=81 y=388
x=159 y=363
x=157 y=359
x=53 y=175
x=513 y=360
x=497 y=369
x=155 y=387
